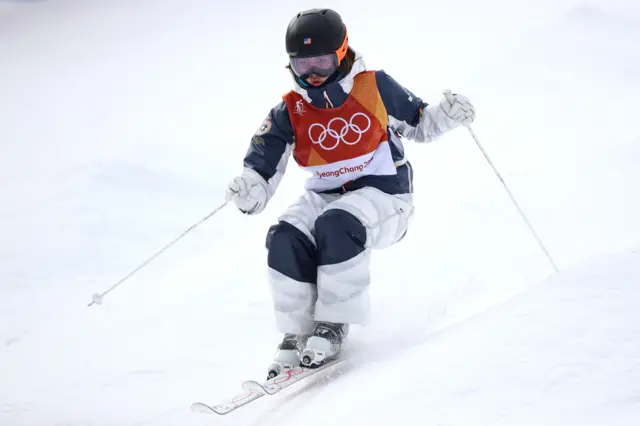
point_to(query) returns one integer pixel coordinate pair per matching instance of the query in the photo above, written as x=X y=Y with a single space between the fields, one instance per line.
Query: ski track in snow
x=120 y=128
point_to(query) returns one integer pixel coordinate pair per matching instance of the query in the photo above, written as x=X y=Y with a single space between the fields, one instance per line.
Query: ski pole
x=449 y=95
x=97 y=298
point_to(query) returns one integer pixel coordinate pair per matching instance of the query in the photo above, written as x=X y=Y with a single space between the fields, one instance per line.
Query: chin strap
x=303 y=83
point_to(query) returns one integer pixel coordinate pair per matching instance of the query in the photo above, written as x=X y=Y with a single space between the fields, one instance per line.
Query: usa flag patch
x=307 y=40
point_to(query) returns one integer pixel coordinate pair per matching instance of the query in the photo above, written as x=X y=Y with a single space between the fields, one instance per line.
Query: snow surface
x=121 y=123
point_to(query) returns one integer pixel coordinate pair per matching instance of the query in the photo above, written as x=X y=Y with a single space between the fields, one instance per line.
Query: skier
x=344 y=125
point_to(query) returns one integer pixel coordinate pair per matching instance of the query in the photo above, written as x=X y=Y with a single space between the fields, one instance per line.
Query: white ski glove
x=458 y=108
x=248 y=191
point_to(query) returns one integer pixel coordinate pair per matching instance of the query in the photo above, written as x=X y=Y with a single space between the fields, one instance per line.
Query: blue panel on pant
x=292 y=253
x=340 y=236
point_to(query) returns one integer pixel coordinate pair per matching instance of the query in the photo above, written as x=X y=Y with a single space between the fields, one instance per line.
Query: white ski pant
x=320 y=253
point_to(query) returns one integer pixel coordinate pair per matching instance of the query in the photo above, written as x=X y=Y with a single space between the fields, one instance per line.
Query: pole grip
x=448 y=95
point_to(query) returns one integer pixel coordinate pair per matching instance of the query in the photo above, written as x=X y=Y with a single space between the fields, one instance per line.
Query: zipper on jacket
x=326 y=96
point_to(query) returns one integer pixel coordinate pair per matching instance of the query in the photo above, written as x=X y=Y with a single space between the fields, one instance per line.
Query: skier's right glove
x=248 y=191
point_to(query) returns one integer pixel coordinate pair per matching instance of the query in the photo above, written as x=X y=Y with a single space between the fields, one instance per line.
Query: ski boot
x=325 y=343
x=288 y=354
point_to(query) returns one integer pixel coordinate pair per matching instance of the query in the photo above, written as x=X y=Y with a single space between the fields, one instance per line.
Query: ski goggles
x=321 y=65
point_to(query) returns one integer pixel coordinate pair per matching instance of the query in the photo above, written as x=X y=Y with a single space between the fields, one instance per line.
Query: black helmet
x=316 y=32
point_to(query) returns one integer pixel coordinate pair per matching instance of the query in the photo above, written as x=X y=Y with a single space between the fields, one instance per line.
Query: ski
x=228 y=406
x=253 y=390
x=285 y=379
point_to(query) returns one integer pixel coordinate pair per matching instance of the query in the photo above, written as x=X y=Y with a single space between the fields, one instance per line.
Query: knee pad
x=340 y=236
x=291 y=252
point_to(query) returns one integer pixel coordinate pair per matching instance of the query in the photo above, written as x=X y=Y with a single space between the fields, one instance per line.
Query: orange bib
x=354 y=129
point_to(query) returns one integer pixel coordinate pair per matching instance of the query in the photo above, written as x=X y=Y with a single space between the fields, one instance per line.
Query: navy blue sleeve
x=270 y=142
x=400 y=103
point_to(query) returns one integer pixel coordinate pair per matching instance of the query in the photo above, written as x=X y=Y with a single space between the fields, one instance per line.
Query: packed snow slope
x=121 y=123
x=562 y=353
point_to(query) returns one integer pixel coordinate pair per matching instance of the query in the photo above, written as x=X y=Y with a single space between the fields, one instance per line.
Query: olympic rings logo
x=339 y=136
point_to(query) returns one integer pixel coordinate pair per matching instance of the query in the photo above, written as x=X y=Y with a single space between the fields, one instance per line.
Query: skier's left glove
x=458 y=108
x=248 y=191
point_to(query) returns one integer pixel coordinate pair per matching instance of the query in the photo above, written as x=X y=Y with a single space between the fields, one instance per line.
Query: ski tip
x=200 y=407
